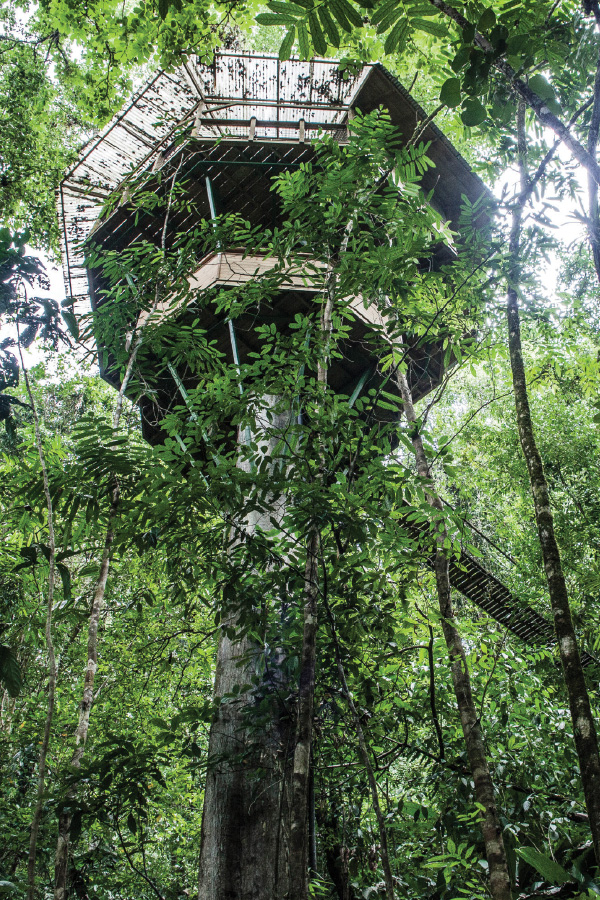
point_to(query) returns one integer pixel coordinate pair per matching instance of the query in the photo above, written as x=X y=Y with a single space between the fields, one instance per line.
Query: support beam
x=366 y=375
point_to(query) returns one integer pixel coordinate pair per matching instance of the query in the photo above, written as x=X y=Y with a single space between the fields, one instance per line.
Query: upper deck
x=215 y=113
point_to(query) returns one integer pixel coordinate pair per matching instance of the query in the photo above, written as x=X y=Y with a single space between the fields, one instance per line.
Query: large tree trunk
x=491 y=827
x=245 y=832
x=244 y=842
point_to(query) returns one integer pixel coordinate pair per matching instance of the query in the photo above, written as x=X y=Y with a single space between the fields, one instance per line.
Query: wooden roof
x=244 y=97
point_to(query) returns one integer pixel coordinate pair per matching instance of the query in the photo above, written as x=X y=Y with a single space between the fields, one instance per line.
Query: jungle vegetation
x=397 y=742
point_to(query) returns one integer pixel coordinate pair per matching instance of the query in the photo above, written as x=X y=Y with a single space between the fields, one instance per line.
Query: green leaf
x=160 y=723
x=396 y=37
x=473 y=112
x=316 y=33
x=30 y=554
x=438 y=29
x=487 y=20
x=329 y=26
x=285 y=51
x=131 y=823
x=450 y=92
x=461 y=59
x=468 y=33
x=303 y=42
x=291 y=9
x=383 y=11
x=10 y=671
x=75 y=826
x=7 y=887
x=351 y=13
x=338 y=11
x=66 y=580
x=503 y=112
x=275 y=19
x=389 y=20
x=518 y=43
x=541 y=87
x=547 y=868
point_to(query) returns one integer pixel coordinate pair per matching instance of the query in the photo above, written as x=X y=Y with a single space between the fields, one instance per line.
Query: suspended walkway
x=487 y=592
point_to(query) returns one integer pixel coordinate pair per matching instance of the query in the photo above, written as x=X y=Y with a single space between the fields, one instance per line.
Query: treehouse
x=227 y=128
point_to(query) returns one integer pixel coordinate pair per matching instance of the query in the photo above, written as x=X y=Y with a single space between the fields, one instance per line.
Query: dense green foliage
x=178 y=566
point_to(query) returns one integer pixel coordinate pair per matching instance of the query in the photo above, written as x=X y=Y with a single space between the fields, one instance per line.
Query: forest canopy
x=299 y=566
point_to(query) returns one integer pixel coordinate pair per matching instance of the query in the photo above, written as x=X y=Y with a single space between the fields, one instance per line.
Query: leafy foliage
x=179 y=568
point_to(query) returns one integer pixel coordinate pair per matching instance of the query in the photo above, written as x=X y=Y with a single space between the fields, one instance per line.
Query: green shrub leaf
x=547 y=868
x=450 y=92
x=473 y=112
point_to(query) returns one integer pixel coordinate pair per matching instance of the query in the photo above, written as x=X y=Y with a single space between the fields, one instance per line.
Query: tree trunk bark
x=244 y=850
x=592 y=146
x=584 y=729
x=61 y=859
x=243 y=844
x=484 y=789
x=299 y=830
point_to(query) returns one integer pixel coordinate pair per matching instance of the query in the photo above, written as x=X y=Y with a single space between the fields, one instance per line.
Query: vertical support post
x=360 y=385
x=211 y=201
x=232 y=337
x=301 y=131
x=193 y=416
x=236 y=360
x=181 y=389
x=234 y=351
x=198 y=118
x=277 y=107
x=158 y=161
x=351 y=115
x=299 y=419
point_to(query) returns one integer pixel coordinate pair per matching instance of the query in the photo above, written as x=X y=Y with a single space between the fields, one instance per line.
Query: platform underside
x=356 y=369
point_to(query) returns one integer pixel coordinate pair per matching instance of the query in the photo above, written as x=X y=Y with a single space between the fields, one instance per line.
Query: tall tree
x=584 y=728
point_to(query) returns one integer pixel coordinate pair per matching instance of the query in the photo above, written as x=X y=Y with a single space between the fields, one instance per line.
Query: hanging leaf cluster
x=312 y=24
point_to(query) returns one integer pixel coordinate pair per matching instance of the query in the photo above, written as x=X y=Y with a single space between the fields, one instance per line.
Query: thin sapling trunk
x=584 y=728
x=43 y=754
x=363 y=750
x=299 y=829
x=61 y=860
x=491 y=826
x=306 y=691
